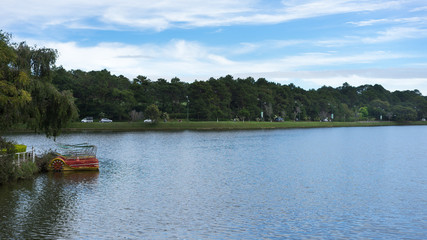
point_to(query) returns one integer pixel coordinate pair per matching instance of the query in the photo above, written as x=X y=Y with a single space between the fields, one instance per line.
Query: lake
x=335 y=183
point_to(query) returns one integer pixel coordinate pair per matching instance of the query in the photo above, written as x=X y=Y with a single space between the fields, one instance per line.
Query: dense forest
x=101 y=94
x=45 y=97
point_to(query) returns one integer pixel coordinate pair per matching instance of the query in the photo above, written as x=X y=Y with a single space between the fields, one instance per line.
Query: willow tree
x=26 y=92
x=14 y=94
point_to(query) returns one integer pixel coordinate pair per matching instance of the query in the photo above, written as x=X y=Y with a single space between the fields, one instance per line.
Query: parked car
x=105 y=120
x=148 y=121
x=278 y=119
x=87 y=120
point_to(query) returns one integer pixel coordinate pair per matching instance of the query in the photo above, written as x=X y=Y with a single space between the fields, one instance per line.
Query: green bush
x=26 y=170
x=20 y=148
x=42 y=161
x=7 y=150
x=6 y=168
x=6 y=147
x=10 y=171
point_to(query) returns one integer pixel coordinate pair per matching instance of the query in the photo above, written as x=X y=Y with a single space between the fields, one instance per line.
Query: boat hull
x=61 y=163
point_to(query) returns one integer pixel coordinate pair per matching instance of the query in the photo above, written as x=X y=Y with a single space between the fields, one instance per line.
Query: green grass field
x=222 y=125
x=210 y=125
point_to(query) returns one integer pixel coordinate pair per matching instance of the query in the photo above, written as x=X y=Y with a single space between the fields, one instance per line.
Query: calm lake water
x=337 y=183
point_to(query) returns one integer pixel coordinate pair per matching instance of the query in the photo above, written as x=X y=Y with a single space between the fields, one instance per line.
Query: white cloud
x=384 y=36
x=175 y=58
x=194 y=60
x=307 y=9
x=420 y=20
x=163 y=14
x=397 y=33
x=335 y=60
x=419 y=9
x=191 y=60
x=267 y=45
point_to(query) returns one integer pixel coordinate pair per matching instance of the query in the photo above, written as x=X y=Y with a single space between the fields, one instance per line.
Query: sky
x=310 y=43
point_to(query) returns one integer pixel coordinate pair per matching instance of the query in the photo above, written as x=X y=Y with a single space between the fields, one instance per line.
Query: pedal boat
x=75 y=157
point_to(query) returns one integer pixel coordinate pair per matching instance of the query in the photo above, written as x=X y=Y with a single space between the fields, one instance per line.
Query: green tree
x=13 y=85
x=203 y=100
x=178 y=92
x=28 y=96
x=403 y=113
x=245 y=95
x=222 y=101
x=98 y=91
x=344 y=113
x=50 y=110
x=153 y=112
x=378 y=108
x=364 y=112
x=26 y=93
x=143 y=91
x=244 y=114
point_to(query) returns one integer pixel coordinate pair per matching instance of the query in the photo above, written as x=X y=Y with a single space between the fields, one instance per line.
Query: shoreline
x=213 y=126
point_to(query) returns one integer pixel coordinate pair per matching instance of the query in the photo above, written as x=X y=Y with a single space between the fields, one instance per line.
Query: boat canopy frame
x=76 y=150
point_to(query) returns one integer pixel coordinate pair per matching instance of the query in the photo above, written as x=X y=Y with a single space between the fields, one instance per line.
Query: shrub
x=42 y=161
x=6 y=168
x=6 y=147
x=7 y=151
x=25 y=171
x=20 y=148
x=9 y=170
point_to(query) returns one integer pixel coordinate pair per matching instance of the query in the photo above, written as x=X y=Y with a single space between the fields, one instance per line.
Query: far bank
x=214 y=125
x=223 y=125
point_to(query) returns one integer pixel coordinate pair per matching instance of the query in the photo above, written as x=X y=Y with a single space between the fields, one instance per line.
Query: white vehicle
x=105 y=120
x=87 y=120
x=148 y=121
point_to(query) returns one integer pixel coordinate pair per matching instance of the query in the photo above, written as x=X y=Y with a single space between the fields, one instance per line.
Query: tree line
x=101 y=94
x=45 y=97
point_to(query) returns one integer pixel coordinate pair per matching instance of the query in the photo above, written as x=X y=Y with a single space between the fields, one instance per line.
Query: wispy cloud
x=420 y=20
x=201 y=43
x=396 y=33
x=163 y=14
x=307 y=9
x=329 y=59
x=192 y=60
x=419 y=9
x=391 y=34
x=195 y=59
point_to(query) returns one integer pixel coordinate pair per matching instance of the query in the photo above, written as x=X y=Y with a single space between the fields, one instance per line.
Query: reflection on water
x=311 y=183
x=85 y=177
x=43 y=207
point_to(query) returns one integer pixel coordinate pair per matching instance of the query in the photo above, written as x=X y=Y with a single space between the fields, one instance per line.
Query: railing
x=25 y=156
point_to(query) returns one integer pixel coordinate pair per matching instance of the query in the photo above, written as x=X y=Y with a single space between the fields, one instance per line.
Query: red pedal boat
x=75 y=157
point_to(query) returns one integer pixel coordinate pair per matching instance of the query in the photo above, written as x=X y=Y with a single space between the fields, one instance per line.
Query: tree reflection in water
x=44 y=207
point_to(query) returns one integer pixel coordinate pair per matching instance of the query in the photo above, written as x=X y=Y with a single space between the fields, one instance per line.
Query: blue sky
x=310 y=43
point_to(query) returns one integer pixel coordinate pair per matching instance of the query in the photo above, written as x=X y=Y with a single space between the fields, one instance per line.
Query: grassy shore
x=221 y=125
x=213 y=125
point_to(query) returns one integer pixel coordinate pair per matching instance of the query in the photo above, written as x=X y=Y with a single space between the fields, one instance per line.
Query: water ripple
x=357 y=183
